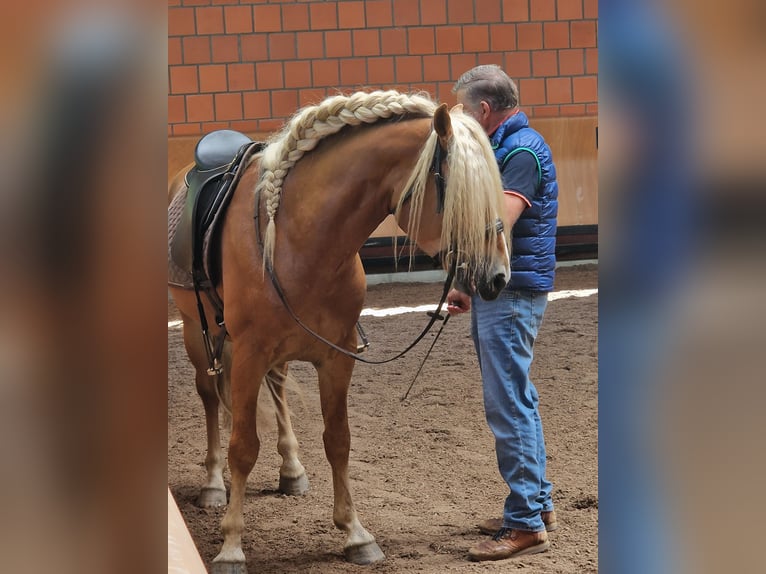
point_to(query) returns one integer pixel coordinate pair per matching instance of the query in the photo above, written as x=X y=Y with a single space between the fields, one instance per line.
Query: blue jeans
x=504 y=332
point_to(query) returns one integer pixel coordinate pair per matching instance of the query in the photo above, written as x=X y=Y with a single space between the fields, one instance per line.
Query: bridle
x=441 y=185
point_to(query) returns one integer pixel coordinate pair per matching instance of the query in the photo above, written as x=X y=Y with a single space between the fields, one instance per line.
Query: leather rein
x=435 y=169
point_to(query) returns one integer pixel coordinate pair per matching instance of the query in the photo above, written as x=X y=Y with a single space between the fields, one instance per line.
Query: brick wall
x=248 y=65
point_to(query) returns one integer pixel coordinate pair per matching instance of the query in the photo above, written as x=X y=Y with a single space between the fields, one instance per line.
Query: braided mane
x=312 y=124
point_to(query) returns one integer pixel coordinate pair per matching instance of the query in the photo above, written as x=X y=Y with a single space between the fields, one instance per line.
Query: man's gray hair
x=491 y=84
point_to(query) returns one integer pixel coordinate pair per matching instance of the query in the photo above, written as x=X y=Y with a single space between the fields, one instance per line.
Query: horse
x=292 y=283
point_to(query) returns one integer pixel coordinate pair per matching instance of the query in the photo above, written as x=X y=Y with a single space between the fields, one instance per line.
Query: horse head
x=458 y=182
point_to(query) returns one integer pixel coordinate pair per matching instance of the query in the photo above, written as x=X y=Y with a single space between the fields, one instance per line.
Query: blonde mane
x=473 y=196
x=312 y=124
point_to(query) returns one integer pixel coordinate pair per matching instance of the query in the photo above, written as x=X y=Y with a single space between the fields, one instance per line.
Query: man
x=504 y=330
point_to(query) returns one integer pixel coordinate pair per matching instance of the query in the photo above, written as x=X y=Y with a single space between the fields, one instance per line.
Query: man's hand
x=458 y=302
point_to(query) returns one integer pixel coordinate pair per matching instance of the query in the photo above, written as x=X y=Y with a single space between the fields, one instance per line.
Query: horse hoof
x=297 y=486
x=228 y=568
x=364 y=554
x=211 y=498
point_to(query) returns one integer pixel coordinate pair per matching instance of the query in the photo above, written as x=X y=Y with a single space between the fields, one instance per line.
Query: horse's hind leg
x=292 y=476
x=247 y=372
x=334 y=379
x=213 y=492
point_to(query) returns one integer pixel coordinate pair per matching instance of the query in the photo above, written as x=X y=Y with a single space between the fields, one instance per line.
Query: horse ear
x=443 y=124
x=457 y=108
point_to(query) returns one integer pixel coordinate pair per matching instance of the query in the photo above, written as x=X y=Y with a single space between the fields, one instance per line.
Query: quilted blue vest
x=533 y=247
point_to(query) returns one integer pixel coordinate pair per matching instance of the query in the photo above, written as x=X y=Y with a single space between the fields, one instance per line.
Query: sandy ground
x=423 y=471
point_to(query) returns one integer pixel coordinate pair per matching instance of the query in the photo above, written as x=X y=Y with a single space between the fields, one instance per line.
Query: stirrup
x=216 y=369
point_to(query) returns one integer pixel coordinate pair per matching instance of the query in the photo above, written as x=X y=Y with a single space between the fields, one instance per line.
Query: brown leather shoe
x=491 y=525
x=508 y=543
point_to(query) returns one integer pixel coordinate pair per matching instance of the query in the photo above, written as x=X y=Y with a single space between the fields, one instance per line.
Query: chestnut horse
x=301 y=211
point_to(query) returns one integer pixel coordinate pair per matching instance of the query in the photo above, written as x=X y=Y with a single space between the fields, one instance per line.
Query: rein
x=436 y=315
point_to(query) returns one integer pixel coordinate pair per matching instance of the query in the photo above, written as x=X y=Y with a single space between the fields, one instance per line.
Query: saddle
x=218 y=158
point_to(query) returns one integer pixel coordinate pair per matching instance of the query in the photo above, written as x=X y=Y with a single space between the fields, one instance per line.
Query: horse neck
x=339 y=193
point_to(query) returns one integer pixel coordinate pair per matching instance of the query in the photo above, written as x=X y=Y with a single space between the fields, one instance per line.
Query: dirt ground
x=423 y=471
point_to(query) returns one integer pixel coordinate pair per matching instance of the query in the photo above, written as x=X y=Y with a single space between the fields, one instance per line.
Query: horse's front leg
x=334 y=379
x=292 y=476
x=247 y=371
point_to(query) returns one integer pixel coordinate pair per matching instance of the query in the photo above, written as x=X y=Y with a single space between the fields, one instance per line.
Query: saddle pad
x=177 y=276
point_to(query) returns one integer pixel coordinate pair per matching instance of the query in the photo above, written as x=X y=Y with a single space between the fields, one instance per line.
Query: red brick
x=267 y=18
x=366 y=42
x=406 y=13
x=282 y=46
x=544 y=63
x=495 y=58
x=213 y=78
x=572 y=110
x=426 y=87
x=542 y=10
x=257 y=105
x=545 y=111
x=591 y=61
x=585 y=89
x=208 y=127
x=325 y=72
x=269 y=75
x=590 y=9
x=337 y=44
x=531 y=91
x=475 y=38
x=175 y=54
x=187 y=130
x=351 y=15
x=591 y=109
x=199 y=108
x=558 y=90
x=311 y=96
x=209 y=20
x=488 y=11
x=254 y=47
x=378 y=13
x=571 y=62
x=323 y=15
x=181 y=22
x=436 y=68
x=449 y=40
x=245 y=126
x=556 y=35
x=284 y=103
x=380 y=70
x=420 y=40
x=409 y=69
x=459 y=11
x=297 y=74
x=444 y=93
x=295 y=17
x=225 y=49
x=433 y=12
x=515 y=10
x=176 y=109
x=460 y=63
x=270 y=125
x=583 y=34
x=228 y=106
x=530 y=36
x=502 y=37
x=196 y=50
x=238 y=19
x=569 y=9
x=183 y=80
x=393 y=41
x=241 y=77
x=353 y=72
x=310 y=45
x=518 y=64
x=195 y=2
